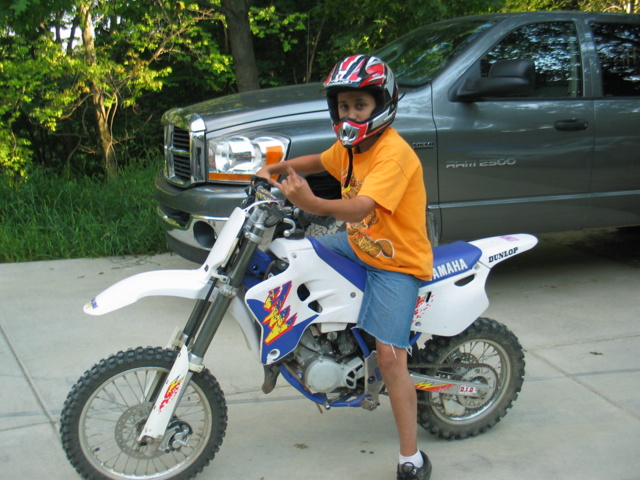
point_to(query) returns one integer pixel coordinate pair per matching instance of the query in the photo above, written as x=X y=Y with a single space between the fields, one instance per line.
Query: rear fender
x=498 y=249
x=450 y=303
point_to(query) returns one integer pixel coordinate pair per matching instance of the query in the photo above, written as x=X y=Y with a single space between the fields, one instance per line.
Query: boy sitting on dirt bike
x=383 y=203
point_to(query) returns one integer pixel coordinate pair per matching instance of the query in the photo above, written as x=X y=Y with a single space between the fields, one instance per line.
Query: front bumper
x=193 y=218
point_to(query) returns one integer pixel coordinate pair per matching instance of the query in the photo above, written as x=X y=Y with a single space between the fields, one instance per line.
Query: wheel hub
x=177 y=436
x=480 y=375
x=128 y=428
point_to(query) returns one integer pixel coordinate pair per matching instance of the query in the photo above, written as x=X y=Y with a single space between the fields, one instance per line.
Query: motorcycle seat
x=452 y=259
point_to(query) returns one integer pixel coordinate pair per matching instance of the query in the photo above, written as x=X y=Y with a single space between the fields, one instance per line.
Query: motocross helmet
x=364 y=73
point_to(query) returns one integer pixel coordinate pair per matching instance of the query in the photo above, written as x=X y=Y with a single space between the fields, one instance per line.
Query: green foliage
x=28 y=69
x=60 y=85
x=540 y=5
x=614 y=6
x=266 y=22
x=51 y=216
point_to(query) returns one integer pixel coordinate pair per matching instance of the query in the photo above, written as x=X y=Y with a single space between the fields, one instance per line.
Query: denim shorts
x=389 y=297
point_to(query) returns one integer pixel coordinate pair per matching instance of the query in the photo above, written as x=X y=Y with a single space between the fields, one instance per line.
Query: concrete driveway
x=574 y=302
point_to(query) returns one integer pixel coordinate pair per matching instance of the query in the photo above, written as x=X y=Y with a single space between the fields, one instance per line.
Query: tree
x=119 y=60
x=104 y=109
x=236 y=13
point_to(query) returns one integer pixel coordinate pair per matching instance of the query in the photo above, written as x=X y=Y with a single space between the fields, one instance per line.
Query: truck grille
x=180 y=154
x=184 y=149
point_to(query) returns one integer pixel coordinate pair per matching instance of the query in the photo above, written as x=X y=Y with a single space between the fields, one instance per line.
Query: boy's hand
x=296 y=189
x=263 y=173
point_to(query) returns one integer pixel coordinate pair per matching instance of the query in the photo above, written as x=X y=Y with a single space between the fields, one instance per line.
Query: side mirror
x=506 y=78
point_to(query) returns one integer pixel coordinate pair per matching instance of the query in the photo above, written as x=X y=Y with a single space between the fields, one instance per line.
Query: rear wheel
x=485 y=342
x=107 y=408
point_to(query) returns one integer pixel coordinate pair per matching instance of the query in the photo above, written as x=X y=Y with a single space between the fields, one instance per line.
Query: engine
x=327 y=362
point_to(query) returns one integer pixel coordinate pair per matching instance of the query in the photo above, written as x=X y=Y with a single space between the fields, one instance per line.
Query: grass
x=52 y=217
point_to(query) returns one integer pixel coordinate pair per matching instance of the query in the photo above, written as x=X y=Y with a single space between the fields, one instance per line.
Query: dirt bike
x=158 y=413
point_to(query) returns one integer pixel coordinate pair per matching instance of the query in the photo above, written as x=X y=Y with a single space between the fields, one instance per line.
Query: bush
x=50 y=216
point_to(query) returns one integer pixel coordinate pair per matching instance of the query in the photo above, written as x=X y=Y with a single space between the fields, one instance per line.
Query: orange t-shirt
x=394 y=235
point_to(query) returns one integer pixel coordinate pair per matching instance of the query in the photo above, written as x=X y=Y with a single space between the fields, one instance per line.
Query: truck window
x=618 y=47
x=554 y=48
x=416 y=58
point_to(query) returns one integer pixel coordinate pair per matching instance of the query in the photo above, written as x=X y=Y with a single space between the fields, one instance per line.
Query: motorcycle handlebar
x=260 y=182
x=258 y=185
x=308 y=218
x=262 y=186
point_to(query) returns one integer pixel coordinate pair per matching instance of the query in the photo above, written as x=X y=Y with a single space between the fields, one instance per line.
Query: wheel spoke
x=105 y=412
x=495 y=360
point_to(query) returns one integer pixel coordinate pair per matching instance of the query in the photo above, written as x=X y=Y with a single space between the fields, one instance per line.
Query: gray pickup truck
x=523 y=122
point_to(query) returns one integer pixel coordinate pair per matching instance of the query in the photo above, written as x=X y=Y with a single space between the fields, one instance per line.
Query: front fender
x=174 y=283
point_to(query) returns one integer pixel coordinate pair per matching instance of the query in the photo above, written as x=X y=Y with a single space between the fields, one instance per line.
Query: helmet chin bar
x=350 y=133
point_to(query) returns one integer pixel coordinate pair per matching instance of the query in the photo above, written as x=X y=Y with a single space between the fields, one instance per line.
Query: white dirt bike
x=157 y=413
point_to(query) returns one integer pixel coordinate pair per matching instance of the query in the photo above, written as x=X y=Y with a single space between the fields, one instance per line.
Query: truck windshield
x=420 y=55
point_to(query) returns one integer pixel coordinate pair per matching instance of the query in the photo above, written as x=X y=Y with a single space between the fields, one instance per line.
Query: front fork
x=169 y=396
x=190 y=359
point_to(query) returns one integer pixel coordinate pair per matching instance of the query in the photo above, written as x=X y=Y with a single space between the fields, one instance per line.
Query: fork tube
x=197 y=315
x=226 y=294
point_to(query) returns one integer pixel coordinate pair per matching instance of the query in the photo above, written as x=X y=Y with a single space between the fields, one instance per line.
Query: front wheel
x=107 y=408
x=487 y=353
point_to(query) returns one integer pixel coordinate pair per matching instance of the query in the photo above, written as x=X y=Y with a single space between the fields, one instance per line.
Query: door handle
x=572 y=125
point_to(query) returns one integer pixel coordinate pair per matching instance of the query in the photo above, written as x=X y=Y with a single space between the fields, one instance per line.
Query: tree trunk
x=314 y=48
x=630 y=6
x=237 y=15
x=97 y=96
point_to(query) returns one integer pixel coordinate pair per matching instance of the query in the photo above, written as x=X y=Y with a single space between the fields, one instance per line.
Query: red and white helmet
x=372 y=75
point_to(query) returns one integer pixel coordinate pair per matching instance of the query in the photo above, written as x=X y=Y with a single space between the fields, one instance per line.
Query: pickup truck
x=523 y=122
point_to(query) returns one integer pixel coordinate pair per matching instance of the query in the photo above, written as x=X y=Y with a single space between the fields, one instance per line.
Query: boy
x=384 y=205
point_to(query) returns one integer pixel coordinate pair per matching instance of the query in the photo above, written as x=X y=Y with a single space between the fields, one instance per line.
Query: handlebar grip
x=257 y=184
x=260 y=182
x=308 y=218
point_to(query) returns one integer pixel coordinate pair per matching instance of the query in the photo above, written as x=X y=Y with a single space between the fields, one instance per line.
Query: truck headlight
x=239 y=157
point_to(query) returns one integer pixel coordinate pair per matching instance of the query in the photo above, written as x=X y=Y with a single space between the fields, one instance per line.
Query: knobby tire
x=106 y=409
x=486 y=342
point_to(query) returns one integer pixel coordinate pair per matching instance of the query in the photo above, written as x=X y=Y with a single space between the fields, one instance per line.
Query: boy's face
x=358 y=105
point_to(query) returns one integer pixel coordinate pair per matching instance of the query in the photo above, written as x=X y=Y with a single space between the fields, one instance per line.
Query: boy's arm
x=305 y=164
x=297 y=190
